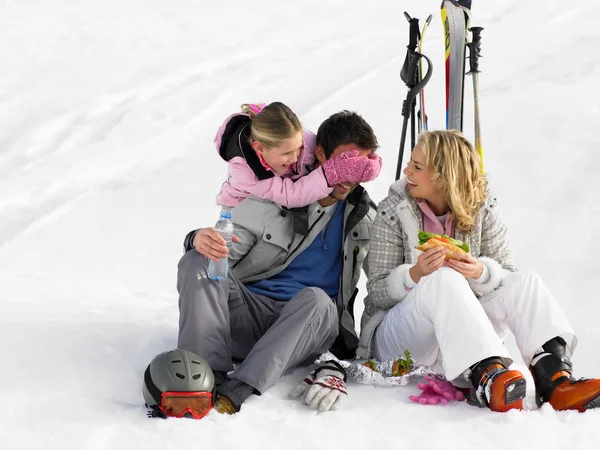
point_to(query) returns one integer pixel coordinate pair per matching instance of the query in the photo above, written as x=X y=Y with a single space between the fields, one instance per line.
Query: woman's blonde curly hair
x=456 y=168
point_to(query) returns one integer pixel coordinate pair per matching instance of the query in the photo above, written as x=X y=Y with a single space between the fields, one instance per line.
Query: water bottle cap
x=225 y=214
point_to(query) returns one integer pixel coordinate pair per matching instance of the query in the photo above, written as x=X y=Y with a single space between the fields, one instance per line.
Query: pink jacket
x=247 y=177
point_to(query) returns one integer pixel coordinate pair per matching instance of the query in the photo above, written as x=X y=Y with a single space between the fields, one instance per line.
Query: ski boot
x=496 y=387
x=552 y=372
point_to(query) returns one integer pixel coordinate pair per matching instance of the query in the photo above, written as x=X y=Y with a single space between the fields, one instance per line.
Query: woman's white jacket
x=392 y=252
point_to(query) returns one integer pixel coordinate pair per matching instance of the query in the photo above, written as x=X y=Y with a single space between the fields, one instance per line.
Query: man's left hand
x=468 y=266
x=324 y=388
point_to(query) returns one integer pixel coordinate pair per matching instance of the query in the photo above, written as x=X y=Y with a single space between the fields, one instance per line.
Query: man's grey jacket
x=271 y=236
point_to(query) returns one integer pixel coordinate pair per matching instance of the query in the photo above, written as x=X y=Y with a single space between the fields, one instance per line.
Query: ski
x=455 y=17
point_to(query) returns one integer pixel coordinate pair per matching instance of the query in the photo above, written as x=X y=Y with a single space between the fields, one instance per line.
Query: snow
x=108 y=110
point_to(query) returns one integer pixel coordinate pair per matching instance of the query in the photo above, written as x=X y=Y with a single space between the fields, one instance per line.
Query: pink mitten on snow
x=351 y=168
x=437 y=391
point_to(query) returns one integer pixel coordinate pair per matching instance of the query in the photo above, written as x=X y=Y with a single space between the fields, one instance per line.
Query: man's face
x=341 y=191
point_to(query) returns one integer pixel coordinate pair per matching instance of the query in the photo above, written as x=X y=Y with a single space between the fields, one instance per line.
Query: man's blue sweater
x=319 y=265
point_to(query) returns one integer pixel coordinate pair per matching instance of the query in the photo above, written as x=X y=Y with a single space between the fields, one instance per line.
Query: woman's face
x=280 y=158
x=419 y=177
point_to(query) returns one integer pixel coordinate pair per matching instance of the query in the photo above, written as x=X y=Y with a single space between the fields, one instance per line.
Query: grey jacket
x=271 y=236
x=394 y=238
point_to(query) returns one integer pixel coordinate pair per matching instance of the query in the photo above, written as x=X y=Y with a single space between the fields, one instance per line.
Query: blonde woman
x=452 y=315
x=269 y=153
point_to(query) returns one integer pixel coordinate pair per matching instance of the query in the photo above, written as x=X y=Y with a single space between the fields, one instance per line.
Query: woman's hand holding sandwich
x=468 y=266
x=427 y=262
x=438 y=248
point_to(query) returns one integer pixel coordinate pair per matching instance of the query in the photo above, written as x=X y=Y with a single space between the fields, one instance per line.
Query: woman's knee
x=444 y=283
x=450 y=275
x=448 y=278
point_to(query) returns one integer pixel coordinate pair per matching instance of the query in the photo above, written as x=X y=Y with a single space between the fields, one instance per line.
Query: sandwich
x=454 y=248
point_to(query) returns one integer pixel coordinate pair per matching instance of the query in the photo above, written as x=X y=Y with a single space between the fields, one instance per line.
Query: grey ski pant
x=223 y=321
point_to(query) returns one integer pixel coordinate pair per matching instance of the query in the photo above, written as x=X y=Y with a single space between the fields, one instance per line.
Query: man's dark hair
x=345 y=127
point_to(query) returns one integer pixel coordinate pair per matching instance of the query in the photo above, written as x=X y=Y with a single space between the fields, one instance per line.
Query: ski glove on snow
x=351 y=168
x=324 y=388
x=437 y=391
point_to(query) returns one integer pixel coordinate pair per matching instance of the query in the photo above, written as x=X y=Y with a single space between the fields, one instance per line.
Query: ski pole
x=407 y=73
x=408 y=102
x=422 y=114
x=410 y=75
x=474 y=54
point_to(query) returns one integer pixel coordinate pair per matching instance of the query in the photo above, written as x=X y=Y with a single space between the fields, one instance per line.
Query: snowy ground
x=107 y=113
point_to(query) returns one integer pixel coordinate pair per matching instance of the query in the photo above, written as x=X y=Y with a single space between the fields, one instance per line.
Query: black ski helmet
x=176 y=371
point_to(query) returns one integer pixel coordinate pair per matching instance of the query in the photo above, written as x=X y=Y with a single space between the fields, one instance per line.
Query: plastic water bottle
x=218 y=270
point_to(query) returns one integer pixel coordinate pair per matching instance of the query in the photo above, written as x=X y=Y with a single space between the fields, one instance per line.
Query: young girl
x=271 y=157
x=454 y=318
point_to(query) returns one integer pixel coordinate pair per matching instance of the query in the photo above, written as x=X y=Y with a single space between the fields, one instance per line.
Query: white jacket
x=394 y=238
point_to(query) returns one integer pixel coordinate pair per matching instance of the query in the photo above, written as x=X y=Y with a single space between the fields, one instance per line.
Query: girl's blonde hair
x=273 y=124
x=455 y=165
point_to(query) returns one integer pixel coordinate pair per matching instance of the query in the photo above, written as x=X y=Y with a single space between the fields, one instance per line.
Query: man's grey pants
x=223 y=320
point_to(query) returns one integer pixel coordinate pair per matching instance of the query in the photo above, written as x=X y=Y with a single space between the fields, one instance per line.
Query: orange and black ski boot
x=497 y=387
x=555 y=384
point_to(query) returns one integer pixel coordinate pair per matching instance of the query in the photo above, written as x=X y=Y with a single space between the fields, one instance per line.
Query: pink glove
x=351 y=168
x=437 y=391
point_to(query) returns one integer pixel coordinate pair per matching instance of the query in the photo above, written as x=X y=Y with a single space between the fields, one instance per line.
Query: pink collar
x=431 y=223
x=263 y=162
x=268 y=167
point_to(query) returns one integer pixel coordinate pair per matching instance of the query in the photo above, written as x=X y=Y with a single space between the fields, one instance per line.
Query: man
x=291 y=288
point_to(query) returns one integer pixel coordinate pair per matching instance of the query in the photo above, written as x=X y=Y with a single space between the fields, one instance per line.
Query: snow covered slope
x=107 y=114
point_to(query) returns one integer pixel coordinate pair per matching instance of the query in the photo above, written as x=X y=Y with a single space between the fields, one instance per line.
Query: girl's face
x=420 y=184
x=280 y=158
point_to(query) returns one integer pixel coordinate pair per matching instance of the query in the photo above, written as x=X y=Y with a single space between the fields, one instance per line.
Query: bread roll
x=452 y=251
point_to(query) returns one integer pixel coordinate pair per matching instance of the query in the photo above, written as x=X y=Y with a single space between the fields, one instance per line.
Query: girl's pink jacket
x=300 y=187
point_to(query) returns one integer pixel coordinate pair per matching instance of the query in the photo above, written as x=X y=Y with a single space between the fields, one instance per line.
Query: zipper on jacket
x=307 y=234
x=354 y=261
x=354 y=258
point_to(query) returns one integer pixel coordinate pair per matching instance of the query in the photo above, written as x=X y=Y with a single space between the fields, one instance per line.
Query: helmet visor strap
x=177 y=404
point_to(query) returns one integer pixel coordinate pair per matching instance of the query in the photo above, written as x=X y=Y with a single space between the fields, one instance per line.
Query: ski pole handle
x=474 y=49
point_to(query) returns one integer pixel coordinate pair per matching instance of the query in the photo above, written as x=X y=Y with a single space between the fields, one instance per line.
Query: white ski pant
x=445 y=326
